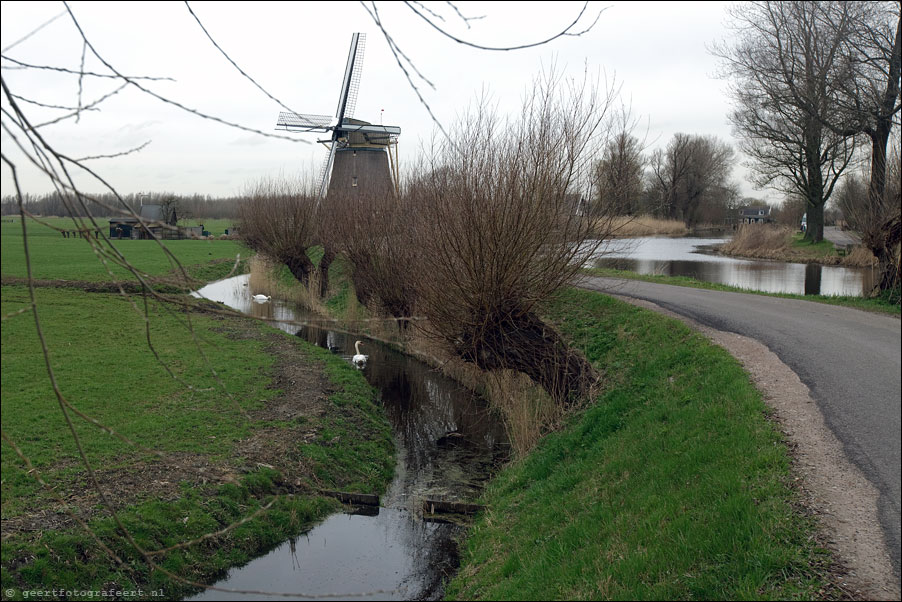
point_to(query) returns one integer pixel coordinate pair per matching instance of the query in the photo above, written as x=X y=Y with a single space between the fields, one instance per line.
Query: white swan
x=262 y=298
x=359 y=359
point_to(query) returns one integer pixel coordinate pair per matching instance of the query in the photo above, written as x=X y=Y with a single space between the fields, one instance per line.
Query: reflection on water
x=694 y=258
x=392 y=553
x=362 y=557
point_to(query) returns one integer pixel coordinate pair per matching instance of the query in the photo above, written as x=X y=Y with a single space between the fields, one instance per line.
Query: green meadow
x=183 y=422
x=55 y=257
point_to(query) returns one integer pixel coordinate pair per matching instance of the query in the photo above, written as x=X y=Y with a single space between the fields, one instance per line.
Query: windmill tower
x=360 y=160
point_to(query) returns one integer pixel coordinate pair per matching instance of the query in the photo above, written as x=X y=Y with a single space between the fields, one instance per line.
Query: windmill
x=360 y=157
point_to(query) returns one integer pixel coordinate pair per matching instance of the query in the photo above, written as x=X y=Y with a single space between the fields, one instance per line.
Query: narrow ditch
x=448 y=444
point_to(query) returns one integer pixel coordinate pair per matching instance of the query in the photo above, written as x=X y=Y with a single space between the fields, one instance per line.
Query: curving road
x=850 y=360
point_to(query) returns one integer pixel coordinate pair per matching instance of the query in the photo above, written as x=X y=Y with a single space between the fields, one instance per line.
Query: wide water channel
x=695 y=258
x=447 y=444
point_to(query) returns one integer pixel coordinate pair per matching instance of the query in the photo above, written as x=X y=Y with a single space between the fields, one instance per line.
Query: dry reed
x=526 y=409
x=759 y=240
x=264 y=280
x=860 y=257
x=626 y=226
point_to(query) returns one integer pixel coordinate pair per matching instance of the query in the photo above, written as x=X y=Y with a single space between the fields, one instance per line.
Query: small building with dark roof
x=153 y=224
x=754 y=215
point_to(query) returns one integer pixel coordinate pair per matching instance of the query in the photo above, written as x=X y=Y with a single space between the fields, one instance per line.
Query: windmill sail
x=304 y=122
x=347 y=100
x=349 y=137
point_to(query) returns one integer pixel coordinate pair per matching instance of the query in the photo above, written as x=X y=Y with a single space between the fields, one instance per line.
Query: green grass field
x=228 y=449
x=672 y=486
x=216 y=227
x=55 y=257
x=104 y=368
x=807 y=250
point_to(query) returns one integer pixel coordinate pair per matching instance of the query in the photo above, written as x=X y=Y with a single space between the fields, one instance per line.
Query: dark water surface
x=447 y=445
x=694 y=257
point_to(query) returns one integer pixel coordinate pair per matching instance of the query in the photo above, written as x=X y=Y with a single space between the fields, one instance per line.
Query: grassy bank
x=262 y=430
x=673 y=485
x=877 y=305
x=766 y=241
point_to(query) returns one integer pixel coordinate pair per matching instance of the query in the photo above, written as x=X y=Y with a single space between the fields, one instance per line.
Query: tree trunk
x=524 y=343
x=814 y=230
x=300 y=267
x=324 y=263
x=362 y=290
x=883 y=234
x=889 y=258
x=879 y=142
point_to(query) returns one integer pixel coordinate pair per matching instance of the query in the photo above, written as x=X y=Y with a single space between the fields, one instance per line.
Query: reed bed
x=760 y=240
x=643 y=225
x=265 y=280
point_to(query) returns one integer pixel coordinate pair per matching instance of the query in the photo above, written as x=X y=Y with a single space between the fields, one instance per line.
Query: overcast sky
x=297 y=51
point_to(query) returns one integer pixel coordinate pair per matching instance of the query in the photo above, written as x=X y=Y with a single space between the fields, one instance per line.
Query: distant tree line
x=688 y=180
x=107 y=205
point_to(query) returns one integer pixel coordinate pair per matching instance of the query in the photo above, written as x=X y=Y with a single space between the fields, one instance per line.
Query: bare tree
x=786 y=76
x=619 y=171
x=852 y=199
x=869 y=95
x=877 y=219
x=376 y=234
x=870 y=100
x=278 y=220
x=172 y=210
x=691 y=172
x=499 y=232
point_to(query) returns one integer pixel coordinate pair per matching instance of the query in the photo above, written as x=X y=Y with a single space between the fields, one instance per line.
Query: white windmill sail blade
x=340 y=111
x=326 y=172
x=356 y=74
x=304 y=122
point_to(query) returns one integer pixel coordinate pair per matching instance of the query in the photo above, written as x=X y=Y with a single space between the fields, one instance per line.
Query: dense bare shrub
x=499 y=231
x=790 y=212
x=376 y=235
x=277 y=219
x=877 y=219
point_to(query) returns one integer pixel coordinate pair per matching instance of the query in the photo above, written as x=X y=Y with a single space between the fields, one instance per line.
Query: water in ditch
x=448 y=443
x=694 y=257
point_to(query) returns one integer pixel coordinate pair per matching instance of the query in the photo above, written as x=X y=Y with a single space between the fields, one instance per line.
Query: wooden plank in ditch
x=444 y=507
x=364 y=499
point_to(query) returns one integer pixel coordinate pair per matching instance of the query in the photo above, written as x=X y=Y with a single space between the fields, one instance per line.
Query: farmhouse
x=754 y=215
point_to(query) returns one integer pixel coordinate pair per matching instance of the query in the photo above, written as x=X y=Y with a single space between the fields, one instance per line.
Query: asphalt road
x=841 y=238
x=851 y=361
